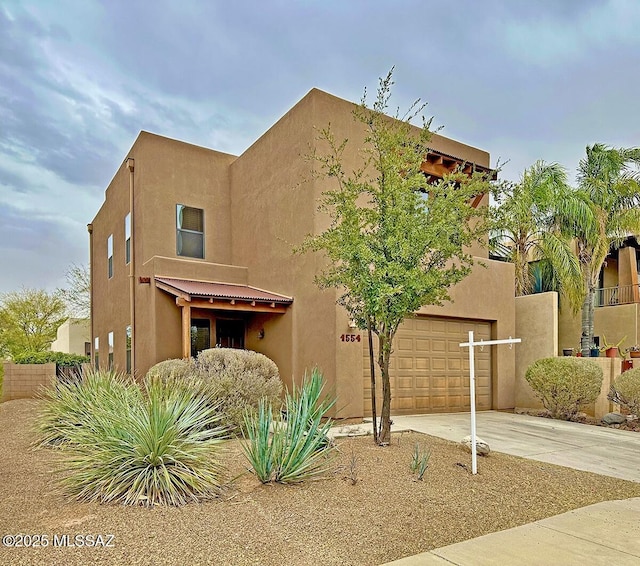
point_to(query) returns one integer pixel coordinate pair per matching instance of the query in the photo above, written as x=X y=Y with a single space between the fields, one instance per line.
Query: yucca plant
x=69 y=406
x=161 y=450
x=420 y=460
x=297 y=449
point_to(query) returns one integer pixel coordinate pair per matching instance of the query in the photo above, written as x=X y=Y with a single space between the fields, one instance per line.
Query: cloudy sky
x=522 y=79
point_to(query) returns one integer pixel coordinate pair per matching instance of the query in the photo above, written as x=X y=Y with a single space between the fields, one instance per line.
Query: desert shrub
x=232 y=380
x=565 y=385
x=625 y=390
x=70 y=405
x=296 y=449
x=237 y=380
x=172 y=370
x=161 y=450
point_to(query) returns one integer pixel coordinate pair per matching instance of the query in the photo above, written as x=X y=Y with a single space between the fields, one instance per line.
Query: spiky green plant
x=420 y=460
x=162 y=450
x=260 y=448
x=297 y=449
x=68 y=406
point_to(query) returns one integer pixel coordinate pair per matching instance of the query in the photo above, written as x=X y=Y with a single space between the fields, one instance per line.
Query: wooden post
x=186 y=329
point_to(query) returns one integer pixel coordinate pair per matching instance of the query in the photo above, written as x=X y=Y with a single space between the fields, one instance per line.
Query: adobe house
x=192 y=248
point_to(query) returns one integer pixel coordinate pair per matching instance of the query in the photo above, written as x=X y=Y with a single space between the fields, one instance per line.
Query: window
x=110 y=342
x=128 y=335
x=96 y=348
x=190 y=231
x=127 y=238
x=110 y=256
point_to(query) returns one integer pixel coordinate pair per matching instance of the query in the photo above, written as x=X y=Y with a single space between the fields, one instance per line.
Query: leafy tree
x=29 y=320
x=529 y=226
x=395 y=242
x=609 y=187
x=77 y=294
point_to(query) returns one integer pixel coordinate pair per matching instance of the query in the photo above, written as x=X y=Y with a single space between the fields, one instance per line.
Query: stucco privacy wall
x=613 y=322
x=24 y=381
x=537 y=326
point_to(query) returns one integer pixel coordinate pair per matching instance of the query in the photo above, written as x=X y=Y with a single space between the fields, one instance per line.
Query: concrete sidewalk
x=605 y=533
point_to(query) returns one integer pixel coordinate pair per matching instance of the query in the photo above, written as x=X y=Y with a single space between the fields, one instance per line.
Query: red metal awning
x=214 y=292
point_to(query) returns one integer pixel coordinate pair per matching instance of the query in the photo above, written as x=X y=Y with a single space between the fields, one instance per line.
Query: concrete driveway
x=605 y=451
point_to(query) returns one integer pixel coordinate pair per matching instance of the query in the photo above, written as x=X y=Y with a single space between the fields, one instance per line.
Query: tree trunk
x=586 y=340
x=384 y=355
x=372 y=366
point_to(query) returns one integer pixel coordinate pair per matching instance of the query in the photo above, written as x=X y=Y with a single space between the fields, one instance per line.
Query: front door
x=230 y=333
x=200 y=335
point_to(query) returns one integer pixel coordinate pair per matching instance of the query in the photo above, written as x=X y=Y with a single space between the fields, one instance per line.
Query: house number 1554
x=350 y=337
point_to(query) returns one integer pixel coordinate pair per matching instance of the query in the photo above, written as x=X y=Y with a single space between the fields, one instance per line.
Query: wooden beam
x=172 y=290
x=477 y=200
x=186 y=330
x=222 y=305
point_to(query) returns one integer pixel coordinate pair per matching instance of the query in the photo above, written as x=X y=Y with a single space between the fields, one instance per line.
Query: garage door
x=429 y=371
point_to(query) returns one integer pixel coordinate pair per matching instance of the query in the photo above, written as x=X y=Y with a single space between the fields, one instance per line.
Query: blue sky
x=524 y=80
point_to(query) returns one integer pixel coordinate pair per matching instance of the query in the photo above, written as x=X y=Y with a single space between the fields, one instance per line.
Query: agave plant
x=294 y=450
x=68 y=406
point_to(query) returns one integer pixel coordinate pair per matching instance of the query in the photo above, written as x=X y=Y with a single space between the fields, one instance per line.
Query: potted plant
x=611 y=350
x=633 y=351
x=569 y=351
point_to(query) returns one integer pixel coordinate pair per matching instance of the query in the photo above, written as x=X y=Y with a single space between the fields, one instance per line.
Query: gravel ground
x=384 y=516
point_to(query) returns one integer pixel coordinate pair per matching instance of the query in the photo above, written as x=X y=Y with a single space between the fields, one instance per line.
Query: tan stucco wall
x=613 y=322
x=537 y=326
x=167 y=172
x=72 y=336
x=627 y=266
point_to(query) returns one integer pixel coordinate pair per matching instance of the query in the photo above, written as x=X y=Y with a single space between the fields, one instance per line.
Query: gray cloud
x=79 y=80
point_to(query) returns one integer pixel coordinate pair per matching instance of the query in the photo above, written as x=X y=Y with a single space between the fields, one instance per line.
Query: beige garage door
x=429 y=371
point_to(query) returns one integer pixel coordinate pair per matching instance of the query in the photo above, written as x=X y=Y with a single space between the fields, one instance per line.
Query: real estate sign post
x=472 y=388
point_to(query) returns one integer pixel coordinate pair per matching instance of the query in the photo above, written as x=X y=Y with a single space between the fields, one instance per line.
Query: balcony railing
x=623 y=295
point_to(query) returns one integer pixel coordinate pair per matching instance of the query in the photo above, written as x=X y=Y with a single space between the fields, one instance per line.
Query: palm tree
x=609 y=190
x=529 y=226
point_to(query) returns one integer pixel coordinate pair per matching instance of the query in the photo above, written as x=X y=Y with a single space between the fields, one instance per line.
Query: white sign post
x=472 y=387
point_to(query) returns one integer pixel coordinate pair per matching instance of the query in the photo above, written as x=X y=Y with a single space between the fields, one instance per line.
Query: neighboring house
x=74 y=337
x=617 y=301
x=192 y=248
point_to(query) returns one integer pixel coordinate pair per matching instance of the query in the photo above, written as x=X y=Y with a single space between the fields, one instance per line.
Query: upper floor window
x=127 y=238
x=190 y=231
x=110 y=256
